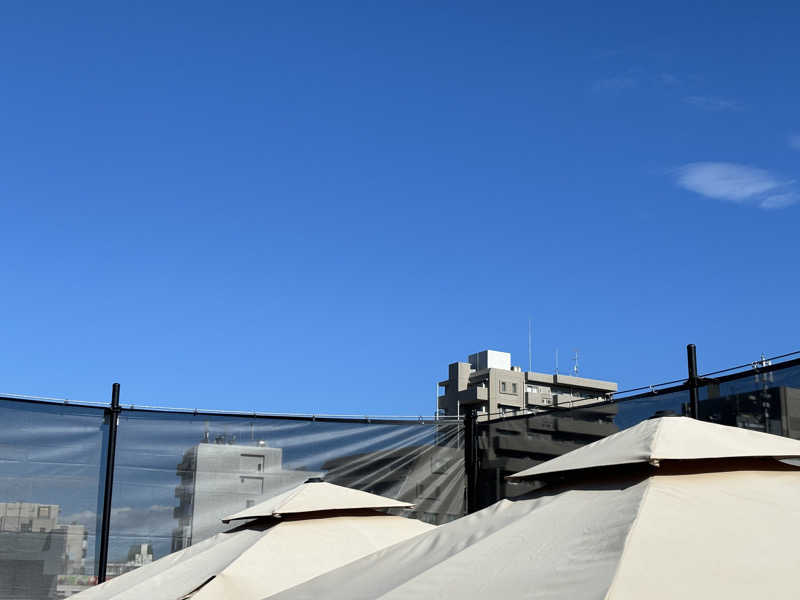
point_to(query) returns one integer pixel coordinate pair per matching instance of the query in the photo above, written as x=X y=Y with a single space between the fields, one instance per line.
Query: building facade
x=35 y=550
x=489 y=384
x=220 y=478
x=518 y=421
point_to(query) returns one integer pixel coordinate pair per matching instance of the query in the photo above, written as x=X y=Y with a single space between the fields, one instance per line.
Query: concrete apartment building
x=35 y=550
x=488 y=383
x=220 y=478
x=32 y=517
x=28 y=517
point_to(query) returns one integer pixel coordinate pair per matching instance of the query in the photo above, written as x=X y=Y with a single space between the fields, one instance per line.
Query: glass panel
x=763 y=400
x=766 y=401
x=510 y=445
x=50 y=476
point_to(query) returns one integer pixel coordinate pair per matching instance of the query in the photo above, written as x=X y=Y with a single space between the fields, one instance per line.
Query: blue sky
x=210 y=202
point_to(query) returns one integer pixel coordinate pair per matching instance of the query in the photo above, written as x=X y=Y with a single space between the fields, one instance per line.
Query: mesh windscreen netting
x=177 y=474
x=51 y=461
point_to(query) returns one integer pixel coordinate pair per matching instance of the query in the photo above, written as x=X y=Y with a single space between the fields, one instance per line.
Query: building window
x=251 y=462
x=251 y=485
x=507 y=387
x=43 y=512
x=439 y=465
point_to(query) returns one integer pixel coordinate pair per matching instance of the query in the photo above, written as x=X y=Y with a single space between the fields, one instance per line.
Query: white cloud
x=152 y=520
x=741 y=184
x=669 y=79
x=778 y=201
x=711 y=103
x=794 y=141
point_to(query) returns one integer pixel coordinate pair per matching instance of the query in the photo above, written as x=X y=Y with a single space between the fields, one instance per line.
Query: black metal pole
x=113 y=416
x=470 y=456
x=691 y=359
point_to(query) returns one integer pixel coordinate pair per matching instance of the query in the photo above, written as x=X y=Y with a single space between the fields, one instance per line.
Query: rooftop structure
x=489 y=384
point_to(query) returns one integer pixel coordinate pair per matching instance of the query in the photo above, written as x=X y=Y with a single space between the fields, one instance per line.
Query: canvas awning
x=693 y=528
x=289 y=539
x=315 y=497
x=668 y=438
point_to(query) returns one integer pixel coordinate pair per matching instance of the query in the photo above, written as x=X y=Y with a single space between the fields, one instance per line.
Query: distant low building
x=138 y=556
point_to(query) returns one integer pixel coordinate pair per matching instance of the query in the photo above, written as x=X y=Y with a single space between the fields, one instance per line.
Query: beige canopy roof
x=329 y=526
x=668 y=438
x=315 y=497
x=660 y=534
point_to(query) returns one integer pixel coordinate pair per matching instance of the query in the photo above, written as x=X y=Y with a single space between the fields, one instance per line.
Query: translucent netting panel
x=50 y=477
x=516 y=443
x=177 y=475
x=762 y=400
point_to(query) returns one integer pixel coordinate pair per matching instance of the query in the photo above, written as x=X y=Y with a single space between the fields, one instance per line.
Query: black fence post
x=470 y=457
x=691 y=359
x=113 y=415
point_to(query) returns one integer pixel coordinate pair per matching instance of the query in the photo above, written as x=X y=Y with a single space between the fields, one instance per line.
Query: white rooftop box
x=490 y=359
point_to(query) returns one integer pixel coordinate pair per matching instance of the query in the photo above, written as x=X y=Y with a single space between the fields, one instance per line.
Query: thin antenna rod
x=556 y=361
x=575 y=368
x=530 y=356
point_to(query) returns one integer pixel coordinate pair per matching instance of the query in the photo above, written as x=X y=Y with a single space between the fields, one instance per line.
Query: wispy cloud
x=148 y=521
x=615 y=84
x=794 y=141
x=669 y=79
x=778 y=201
x=712 y=103
x=740 y=184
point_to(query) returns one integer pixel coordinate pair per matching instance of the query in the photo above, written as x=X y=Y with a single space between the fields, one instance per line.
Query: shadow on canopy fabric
x=285 y=541
x=687 y=527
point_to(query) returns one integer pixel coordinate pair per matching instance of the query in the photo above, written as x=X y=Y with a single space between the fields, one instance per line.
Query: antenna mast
x=575 y=367
x=530 y=356
x=556 y=361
